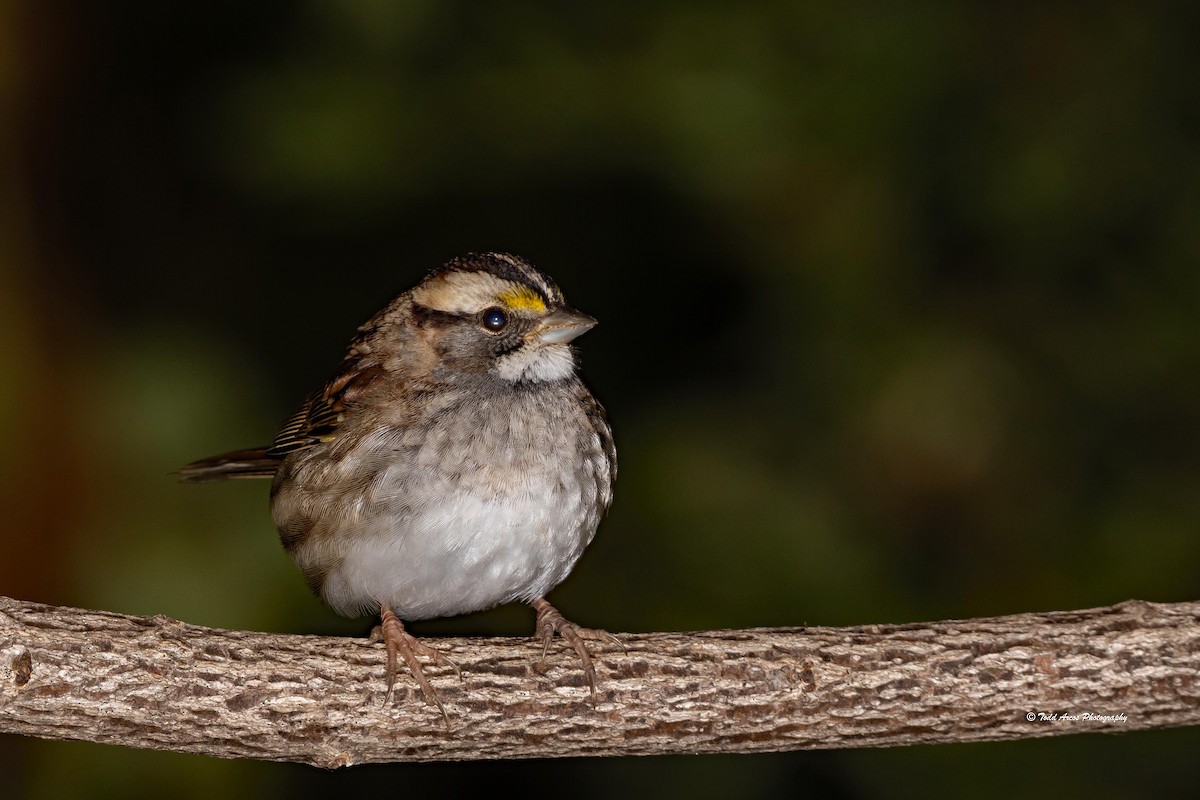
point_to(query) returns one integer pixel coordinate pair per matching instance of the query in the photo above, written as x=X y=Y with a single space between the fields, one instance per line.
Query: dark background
x=898 y=322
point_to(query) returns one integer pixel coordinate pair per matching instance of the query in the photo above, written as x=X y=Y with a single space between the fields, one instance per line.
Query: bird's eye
x=494 y=319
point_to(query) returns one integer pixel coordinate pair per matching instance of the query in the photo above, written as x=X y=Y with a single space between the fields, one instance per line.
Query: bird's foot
x=400 y=642
x=550 y=620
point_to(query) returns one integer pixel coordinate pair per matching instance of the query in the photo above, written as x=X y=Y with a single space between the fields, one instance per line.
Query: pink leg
x=549 y=620
x=400 y=642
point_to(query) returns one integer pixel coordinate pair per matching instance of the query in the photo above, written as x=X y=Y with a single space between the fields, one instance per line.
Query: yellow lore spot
x=522 y=297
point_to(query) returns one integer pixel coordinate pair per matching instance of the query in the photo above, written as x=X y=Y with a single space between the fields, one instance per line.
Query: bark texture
x=154 y=682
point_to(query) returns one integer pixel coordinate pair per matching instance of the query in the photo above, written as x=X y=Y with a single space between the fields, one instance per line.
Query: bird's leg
x=550 y=620
x=400 y=642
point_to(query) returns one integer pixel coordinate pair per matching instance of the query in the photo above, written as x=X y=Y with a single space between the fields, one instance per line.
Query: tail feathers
x=253 y=463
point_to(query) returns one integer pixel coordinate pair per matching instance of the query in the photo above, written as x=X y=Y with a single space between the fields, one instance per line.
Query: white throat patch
x=549 y=362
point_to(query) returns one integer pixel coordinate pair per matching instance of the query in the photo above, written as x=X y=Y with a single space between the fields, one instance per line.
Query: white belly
x=468 y=551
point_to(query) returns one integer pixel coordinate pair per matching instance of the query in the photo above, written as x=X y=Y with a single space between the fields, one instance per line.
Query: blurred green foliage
x=898 y=314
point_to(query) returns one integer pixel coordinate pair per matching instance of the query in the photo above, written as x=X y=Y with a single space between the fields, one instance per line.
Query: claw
x=400 y=642
x=610 y=637
x=549 y=621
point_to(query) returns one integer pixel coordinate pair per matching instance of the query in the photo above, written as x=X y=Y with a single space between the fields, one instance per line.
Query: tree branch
x=154 y=682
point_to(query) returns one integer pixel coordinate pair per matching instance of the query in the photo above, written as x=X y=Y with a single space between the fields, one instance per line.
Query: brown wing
x=315 y=421
x=318 y=418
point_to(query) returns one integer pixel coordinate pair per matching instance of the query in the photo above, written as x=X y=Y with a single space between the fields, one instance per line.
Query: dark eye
x=494 y=319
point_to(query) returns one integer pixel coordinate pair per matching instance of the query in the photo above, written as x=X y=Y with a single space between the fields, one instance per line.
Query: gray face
x=468 y=345
x=502 y=320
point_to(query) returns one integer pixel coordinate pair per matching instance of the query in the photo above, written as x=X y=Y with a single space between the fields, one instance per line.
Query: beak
x=560 y=327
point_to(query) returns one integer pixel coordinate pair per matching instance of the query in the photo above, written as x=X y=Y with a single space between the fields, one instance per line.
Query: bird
x=454 y=462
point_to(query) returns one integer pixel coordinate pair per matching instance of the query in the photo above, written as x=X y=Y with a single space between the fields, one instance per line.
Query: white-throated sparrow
x=454 y=462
